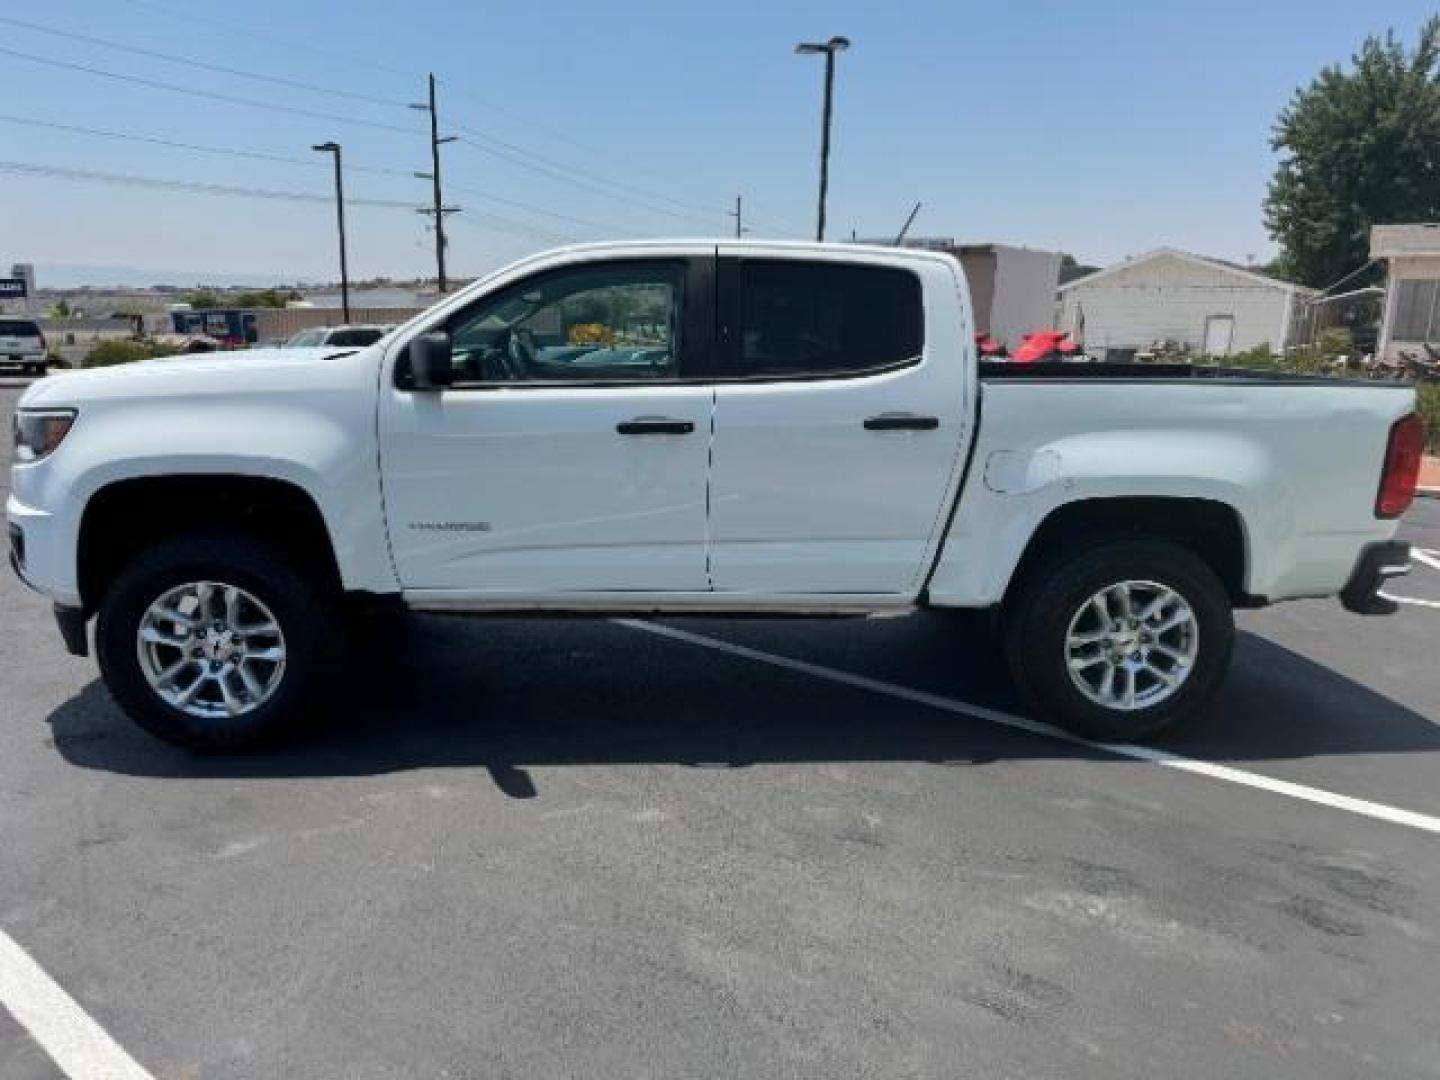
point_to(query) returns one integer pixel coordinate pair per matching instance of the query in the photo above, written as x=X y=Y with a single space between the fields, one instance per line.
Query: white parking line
x=1303 y=792
x=65 y=1031
x=1413 y=601
x=1426 y=556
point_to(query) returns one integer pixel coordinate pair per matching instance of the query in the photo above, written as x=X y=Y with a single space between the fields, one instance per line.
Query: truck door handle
x=900 y=421
x=655 y=425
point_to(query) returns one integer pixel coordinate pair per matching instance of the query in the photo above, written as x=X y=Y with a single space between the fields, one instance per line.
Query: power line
x=565 y=137
x=570 y=178
x=351 y=61
x=293 y=84
x=261 y=155
x=24 y=168
x=474 y=218
x=316 y=114
x=175 y=144
x=286 y=42
x=531 y=208
x=541 y=161
x=229 y=99
x=707 y=213
x=484 y=142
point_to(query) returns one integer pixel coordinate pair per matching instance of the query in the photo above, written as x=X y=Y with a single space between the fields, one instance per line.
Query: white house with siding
x=1213 y=307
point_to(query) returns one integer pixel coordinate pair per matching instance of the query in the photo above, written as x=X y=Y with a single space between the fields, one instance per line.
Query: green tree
x=59 y=310
x=267 y=298
x=1358 y=148
x=202 y=299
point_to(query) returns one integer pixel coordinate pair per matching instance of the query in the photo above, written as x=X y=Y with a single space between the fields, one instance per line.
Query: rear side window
x=801 y=318
x=18 y=328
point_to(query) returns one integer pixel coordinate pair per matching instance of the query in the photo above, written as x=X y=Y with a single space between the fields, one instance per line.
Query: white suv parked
x=22 y=346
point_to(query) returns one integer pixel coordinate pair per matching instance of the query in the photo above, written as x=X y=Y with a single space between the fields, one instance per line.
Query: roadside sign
x=13 y=289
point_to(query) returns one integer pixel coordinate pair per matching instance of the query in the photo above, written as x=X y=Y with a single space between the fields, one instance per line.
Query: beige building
x=1412 y=287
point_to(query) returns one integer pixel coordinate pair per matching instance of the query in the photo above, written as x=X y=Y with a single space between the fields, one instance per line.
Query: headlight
x=39 y=431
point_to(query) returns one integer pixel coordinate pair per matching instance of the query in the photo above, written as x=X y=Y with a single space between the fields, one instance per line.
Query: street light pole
x=829 y=48
x=334 y=148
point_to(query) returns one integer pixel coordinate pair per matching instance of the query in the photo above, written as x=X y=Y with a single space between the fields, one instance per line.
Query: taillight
x=1402 y=467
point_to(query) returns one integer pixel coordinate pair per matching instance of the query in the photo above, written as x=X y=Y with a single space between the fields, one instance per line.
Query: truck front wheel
x=214 y=642
x=1120 y=638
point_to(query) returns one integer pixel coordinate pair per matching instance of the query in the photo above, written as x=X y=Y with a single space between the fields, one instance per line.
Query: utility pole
x=829 y=48
x=739 y=228
x=333 y=148
x=439 y=209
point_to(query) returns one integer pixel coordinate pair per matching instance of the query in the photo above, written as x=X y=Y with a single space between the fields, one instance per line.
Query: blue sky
x=1100 y=128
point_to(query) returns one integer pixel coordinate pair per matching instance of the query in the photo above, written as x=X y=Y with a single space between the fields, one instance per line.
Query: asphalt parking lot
x=536 y=848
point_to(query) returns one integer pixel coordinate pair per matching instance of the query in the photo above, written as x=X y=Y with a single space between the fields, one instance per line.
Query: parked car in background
x=325 y=337
x=688 y=427
x=22 y=346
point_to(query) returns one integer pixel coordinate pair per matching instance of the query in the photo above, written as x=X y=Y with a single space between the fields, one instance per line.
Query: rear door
x=840 y=421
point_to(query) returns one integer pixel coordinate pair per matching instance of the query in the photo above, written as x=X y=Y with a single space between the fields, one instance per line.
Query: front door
x=1219 y=333
x=568 y=457
x=840 y=421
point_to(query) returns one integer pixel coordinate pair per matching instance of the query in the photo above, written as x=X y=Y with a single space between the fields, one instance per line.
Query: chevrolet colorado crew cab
x=694 y=427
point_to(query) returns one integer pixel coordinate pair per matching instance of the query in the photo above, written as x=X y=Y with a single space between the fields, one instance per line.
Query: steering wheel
x=522 y=351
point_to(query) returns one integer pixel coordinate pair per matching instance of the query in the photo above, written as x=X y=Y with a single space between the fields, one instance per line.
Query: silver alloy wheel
x=1132 y=645
x=211 y=650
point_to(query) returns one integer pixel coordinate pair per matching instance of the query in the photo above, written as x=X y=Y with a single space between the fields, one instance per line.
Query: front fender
x=324 y=452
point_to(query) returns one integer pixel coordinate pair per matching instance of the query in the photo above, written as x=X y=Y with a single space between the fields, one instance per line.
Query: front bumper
x=41 y=552
x=1377 y=564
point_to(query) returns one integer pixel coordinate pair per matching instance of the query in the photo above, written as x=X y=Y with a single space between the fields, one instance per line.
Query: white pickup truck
x=694 y=427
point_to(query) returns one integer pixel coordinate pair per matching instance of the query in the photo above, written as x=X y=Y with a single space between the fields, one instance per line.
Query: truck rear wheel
x=1120 y=638
x=215 y=642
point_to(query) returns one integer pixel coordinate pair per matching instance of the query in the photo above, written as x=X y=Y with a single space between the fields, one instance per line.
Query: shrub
x=119 y=351
x=1429 y=396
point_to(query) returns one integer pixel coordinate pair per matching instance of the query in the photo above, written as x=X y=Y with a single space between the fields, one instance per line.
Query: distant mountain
x=81 y=275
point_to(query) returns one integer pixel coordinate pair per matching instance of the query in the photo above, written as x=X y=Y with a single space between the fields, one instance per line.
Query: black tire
x=1038 y=617
x=305 y=613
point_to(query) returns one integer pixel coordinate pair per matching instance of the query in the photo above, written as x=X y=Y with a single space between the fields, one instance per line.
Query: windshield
x=363 y=335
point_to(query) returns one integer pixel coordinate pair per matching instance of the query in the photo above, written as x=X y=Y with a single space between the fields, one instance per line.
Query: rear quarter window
x=799 y=318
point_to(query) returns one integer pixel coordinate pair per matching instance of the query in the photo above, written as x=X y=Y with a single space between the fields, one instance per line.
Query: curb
x=1428 y=492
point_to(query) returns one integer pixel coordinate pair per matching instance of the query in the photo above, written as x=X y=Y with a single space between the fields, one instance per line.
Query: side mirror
x=432 y=363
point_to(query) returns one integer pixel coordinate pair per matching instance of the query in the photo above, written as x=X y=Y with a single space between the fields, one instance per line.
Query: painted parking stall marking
x=1425 y=557
x=81 y=1048
x=1302 y=792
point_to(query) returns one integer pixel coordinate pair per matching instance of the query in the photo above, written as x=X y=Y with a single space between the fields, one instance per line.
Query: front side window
x=816 y=318
x=609 y=322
